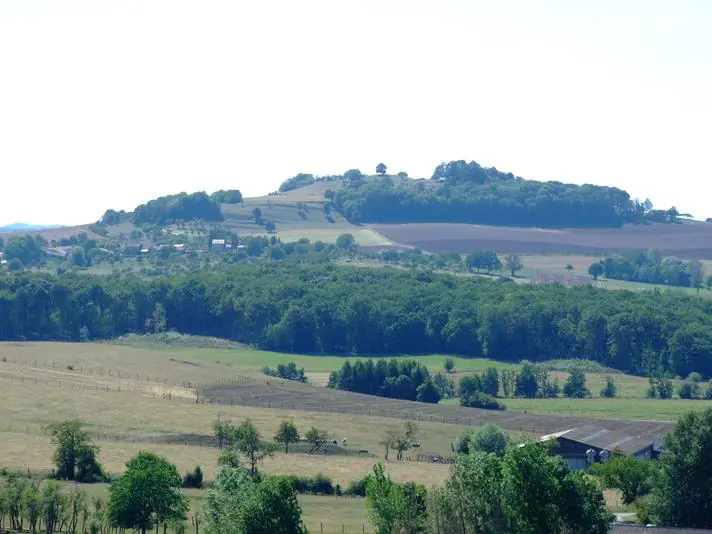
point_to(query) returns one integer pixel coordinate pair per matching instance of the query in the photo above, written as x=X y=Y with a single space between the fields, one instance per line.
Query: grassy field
x=630 y=408
x=169 y=370
x=136 y=398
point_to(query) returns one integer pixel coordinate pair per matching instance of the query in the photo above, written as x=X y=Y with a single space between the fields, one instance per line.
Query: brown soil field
x=308 y=398
x=687 y=240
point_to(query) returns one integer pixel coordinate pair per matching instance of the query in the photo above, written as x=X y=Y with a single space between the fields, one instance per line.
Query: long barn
x=584 y=445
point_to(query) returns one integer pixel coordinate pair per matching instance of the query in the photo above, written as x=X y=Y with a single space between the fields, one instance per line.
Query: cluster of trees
x=245 y=439
x=652 y=268
x=531 y=381
x=295 y=182
x=332 y=310
x=48 y=507
x=484 y=259
x=24 y=251
x=468 y=193
x=401 y=378
x=175 y=208
x=691 y=388
x=180 y=207
x=229 y=196
x=288 y=372
x=523 y=490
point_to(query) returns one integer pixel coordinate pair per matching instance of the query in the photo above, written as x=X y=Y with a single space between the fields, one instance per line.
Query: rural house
x=220 y=244
x=589 y=443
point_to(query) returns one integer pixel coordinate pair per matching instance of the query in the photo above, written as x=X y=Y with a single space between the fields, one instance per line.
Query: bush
x=488 y=438
x=193 y=479
x=449 y=365
x=357 y=488
x=481 y=400
x=609 y=390
x=689 y=390
x=317 y=485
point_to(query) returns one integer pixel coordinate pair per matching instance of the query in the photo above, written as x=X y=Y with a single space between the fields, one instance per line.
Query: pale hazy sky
x=111 y=103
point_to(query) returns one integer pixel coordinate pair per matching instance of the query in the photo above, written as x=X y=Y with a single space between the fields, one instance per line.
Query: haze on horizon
x=109 y=103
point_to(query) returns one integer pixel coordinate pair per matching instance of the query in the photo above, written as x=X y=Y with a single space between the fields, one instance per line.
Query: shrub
x=689 y=390
x=609 y=390
x=481 y=400
x=357 y=488
x=317 y=485
x=193 y=479
x=449 y=365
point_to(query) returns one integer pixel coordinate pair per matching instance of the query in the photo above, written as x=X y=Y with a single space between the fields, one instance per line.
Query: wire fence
x=88 y=371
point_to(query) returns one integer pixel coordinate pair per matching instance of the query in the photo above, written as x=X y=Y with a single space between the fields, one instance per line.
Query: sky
x=109 y=103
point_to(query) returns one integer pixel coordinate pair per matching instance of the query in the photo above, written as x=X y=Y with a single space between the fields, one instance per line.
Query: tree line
x=337 y=310
x=653 y=268
x=405 y=379
x=466 y=192
x=176 y=208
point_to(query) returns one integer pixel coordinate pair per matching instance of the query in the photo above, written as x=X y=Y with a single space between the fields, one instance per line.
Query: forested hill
x=333 y=310
x=465 y=192
x=176 y=208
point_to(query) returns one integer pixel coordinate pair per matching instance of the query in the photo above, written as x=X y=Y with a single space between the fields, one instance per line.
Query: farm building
x=583 y=445
x=220 y=244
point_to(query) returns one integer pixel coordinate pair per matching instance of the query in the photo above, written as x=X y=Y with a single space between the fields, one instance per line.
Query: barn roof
x=610 y=440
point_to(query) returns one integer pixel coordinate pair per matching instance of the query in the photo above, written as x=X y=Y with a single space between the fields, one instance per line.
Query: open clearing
x=687 y=240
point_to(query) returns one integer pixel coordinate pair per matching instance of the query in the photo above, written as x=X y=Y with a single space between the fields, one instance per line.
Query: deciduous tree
x=682 y=486
x=513 y=263
x=75 y=455
x=147 y=494
x=287 y=433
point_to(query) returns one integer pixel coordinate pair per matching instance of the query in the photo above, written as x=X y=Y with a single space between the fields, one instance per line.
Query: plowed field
x=687 y=240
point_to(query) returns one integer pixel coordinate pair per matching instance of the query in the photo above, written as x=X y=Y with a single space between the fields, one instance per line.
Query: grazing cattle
x=343 y=442
x=363 y=451
x=334 y=442
x=416 y=445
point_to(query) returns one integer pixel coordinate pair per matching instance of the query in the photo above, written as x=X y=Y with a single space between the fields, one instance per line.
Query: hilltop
x=385 y=211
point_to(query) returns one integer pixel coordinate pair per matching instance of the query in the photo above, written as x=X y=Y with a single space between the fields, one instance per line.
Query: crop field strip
x=687 y=240
x=299 y=397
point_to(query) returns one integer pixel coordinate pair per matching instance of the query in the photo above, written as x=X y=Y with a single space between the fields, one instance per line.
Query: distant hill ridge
x=24 y=227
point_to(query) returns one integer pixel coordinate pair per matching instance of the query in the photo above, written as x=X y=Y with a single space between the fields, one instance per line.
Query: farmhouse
x=589 y=443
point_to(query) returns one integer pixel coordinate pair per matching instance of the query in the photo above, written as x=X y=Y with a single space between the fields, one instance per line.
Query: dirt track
x=688 y=240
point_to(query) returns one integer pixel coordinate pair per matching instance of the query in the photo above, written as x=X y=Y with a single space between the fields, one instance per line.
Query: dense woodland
x=176 y=208
x=465 y=192
x=333 y=310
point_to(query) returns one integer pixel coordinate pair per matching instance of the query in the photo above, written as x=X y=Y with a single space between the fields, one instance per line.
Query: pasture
x=144 y=397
